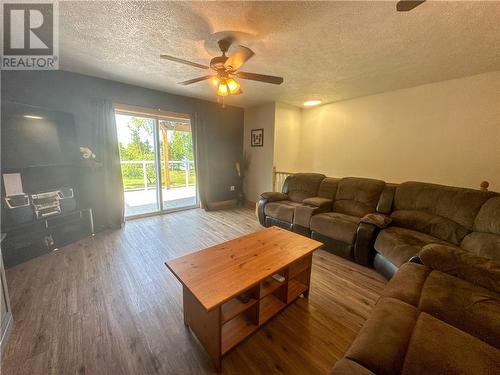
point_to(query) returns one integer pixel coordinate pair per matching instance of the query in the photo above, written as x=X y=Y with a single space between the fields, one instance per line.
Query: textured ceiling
x=324 y=50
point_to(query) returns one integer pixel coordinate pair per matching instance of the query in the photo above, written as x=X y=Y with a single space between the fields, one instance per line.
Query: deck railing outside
x=141 y=174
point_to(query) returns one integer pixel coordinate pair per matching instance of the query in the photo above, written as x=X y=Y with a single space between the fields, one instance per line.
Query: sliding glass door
x=157 y=161
x=178 y=171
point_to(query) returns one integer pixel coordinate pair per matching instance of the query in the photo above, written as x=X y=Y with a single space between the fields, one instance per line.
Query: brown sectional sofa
x=440 y=313
x=373 y=222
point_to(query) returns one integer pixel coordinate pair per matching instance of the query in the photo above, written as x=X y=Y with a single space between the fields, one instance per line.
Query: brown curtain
x=201 y=159
x=108 y=192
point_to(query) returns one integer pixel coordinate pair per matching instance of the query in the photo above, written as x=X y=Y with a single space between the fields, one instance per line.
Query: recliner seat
x=425 y=213
x=279 y=208
x=340 y=229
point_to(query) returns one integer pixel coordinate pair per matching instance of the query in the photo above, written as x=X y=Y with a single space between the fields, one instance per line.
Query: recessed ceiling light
x=33 y=117
x=312 y=103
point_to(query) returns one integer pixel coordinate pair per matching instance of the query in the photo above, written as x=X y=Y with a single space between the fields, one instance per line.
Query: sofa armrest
x=265 y=198
x=303 y=214
x=462 y=264
x=363 y=246
x=318 y=202
x=273 y=196
x=379 y=220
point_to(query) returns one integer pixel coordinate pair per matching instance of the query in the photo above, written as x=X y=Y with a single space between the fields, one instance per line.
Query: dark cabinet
x=39 y=237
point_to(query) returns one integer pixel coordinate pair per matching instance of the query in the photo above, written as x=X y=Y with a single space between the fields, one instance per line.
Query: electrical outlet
x=232 y=188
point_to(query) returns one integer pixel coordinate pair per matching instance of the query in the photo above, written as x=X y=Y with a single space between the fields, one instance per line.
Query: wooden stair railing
x=279 y=178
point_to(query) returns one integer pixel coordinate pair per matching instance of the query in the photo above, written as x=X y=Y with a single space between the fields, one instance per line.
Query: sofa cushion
x=469 y=307
x=382 y=342
x=483 y=244
x=335 y=225
x=434 y=225
x=457 y=204
x=439 y=348
x=384 y=205
x=406 y=284
x=428 y=322
x=398 y=245
x=300 y=186
x=282 y=210
x=328 y=188
x=488 y=218
x=463 y=264
x=357 y=196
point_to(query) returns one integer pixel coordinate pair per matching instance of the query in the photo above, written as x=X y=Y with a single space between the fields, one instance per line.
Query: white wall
x=287 y=133
x=446 y=132
x=259 y=175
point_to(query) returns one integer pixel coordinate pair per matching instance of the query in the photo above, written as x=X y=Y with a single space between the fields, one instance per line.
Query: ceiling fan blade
x=194 y=80
x=182 y=61
x=260 y=77
x=238 y=58
x=407 y=5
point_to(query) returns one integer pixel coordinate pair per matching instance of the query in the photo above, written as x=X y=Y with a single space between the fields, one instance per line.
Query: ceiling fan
x=226 y=69
x=407 y=5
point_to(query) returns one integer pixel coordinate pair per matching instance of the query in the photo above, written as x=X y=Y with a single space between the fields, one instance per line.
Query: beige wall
x=446 y=132
x=287 y=132
x=259 y=175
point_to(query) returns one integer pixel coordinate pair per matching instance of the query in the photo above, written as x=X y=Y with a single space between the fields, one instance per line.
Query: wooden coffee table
x=213 y=278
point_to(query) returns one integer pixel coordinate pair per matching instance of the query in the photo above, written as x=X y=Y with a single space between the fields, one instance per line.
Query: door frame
x=157 y=115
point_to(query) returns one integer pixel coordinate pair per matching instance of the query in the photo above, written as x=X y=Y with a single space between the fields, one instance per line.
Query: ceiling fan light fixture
x=215 y=81
x=233 y=86
x=312 y=103
x=223 y=90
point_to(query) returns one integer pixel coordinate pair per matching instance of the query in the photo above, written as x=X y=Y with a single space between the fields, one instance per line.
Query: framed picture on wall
x=257 y=137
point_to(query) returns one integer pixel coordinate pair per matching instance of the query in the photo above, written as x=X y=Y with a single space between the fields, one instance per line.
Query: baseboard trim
x=251 y=205
x=222 y=205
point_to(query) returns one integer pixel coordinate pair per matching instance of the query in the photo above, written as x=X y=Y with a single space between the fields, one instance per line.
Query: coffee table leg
x=206 y=325
x=306 y=293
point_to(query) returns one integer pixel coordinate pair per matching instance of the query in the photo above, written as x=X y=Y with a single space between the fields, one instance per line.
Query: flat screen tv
x=37 y=137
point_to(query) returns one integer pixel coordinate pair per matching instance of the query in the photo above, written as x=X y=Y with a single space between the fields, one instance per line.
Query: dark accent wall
x=74 y=93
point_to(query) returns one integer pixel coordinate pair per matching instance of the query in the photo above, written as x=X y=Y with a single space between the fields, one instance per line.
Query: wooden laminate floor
x=108 y=305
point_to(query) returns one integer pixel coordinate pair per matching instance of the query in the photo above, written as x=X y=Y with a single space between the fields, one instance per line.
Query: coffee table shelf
x=235 y=331
x=213 y=278
x=269 y=306
x=234 y=307
x=295 y=289
x=269 y=285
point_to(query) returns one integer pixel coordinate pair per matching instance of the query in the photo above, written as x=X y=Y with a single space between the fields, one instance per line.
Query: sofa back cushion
x=444 y=212
x=485 y=240
x=384 y=205
x=357 y=196
x=488 y=218
x=434 y=225
x=328 y=188
x=300 y=186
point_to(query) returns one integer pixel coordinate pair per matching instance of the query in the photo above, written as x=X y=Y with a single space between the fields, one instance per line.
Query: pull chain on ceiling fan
x=226 y=69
